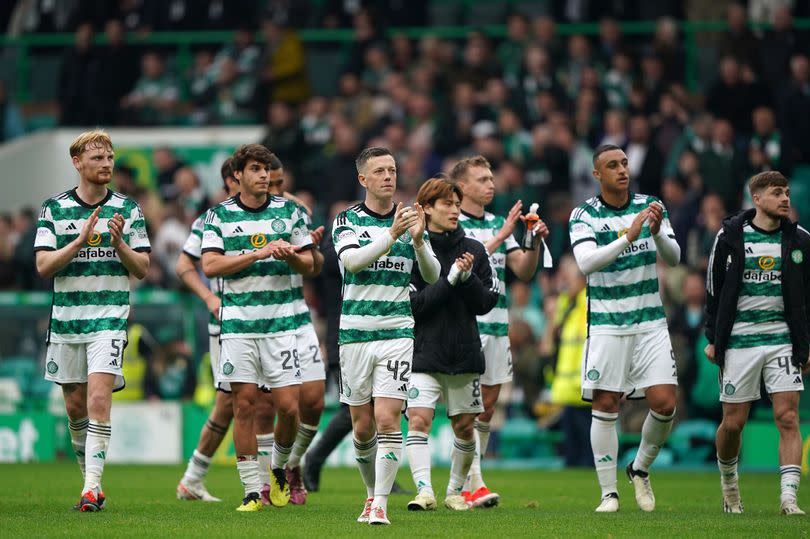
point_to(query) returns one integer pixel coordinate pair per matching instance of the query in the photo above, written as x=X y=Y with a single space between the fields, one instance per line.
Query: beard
x=774 y=214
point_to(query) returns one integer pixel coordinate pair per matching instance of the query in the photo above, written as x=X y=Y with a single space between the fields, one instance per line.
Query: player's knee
x=463 y=428
x=733 y=425
x=419 y=423
x=287 y=410
x=787 y=420
x=98 y=404
x=665 y=408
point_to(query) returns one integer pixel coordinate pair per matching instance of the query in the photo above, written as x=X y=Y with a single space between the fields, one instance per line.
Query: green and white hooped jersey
x=91 y=293
x=193 y=248
x=760 y=318
x=376 y=301
x=300 y=305
x=483 y=229
x=258 y=300
x=623 y=297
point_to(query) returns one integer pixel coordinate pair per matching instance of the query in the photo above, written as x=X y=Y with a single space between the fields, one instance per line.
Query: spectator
x=765 y=148
x=668 y=123
x=79 y=78
x=282 y=68
x=778 y=46
x=376 y=68
x=170 y=373
x=338 y=179
x=732 y=98
x=696 y=138
x=796 y=112
x=12 y=124
x=545 y=35
x=683 y=205
x=653 y=81
x=619 y=80
x=402 y=55
x=686 y=327
x=242 y=51
x=570 y=72
x=8 y=279
x=521 y=306
x=517 y=142
x=24 y=258
x=739 y=41
x=231 y=96
x=701 y=236
x=116 y=59
x=615 y=128
x=354 y=102
x=564 y=338
x=155 y=97
x=610 y=40
x=510 y=52
x=190 y=195
x=284 y=136
x=199 y=87
x=477 y=64
x=166 y=165
x=667 y=47
x=722 y=167
x=646 y=162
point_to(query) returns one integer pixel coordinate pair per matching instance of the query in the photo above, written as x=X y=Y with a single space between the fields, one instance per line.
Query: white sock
x=387 y=464
x=791 y=475
x=281 y=454
x=197 y=467
x=461 y=457
x=728 y=473
x=265 y=444
x=654 y=434
x=605 y=446
x=78 y=439
x=419 y=459
x=98 y=440
x=366 y=457
x=302 y=440
x=475 y=480
x=248 y=468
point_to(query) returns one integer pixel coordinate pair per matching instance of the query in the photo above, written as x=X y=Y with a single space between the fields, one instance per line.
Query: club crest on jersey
x=766 y=262
x=94 y=240
x=729 y=389
x=413 y=393
x=258 y=240
x=797 y=256
x=593 y=375
x=227 y=368
x=52 y=367
x=278 y=226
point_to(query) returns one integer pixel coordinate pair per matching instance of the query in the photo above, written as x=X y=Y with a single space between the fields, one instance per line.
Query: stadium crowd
x=535 y=104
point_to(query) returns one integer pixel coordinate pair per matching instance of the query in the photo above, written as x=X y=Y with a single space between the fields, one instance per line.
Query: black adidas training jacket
x=446 y=331
x=724 y=280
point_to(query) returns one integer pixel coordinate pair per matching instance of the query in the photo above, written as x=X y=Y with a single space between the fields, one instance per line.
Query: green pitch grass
x=36 y=500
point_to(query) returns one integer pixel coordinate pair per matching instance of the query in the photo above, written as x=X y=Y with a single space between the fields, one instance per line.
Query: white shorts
x=375 y=369
x=745 y=367
x=70 y=363
x=628 y=363
x=213 y=354
x=270 y=362
x=309 y=355
x=498 y=360
x=461 y=392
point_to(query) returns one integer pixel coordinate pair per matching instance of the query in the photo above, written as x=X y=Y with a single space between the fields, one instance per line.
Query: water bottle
x=531 y=220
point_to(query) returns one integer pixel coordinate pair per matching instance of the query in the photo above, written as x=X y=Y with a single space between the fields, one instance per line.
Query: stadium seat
x=10 y=395
x=692 y=441
x=445 y=12
x=486 y=13
x=44 y=77
x=533 y=8
x=323 y=68
x=21 y=368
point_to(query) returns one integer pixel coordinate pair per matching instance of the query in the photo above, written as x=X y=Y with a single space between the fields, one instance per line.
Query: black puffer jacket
x=723 y=284
x=447 y=339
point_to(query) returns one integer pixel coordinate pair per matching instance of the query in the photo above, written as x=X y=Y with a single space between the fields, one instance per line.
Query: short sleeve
x=193 y=245
x=138 y=237
x=45 y=239
x=212 y=234
x=299 y=237
x=666 y=224
x=344 y=236
x=511 y=244
x=580 y=229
